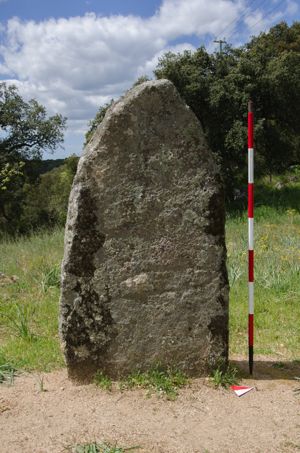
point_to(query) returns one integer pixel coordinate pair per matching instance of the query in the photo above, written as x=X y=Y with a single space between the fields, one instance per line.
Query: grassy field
x=29 y=306
x=277 y=271
x=30 y=285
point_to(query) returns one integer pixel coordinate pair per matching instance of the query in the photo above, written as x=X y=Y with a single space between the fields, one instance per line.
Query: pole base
x=251 y=360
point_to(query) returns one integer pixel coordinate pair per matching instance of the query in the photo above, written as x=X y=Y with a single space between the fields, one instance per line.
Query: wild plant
x=19 y=319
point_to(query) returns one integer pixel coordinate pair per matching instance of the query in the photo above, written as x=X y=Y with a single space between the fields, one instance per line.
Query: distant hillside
x=37 y=167
x=34 y=168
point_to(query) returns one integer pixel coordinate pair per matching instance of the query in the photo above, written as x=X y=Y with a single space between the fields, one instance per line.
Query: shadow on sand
x=269 y=369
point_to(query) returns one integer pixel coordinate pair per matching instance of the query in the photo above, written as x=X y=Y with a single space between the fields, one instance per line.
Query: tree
x=141 y=79
x=218 y=86
x=46 y=201
x=93 y=124
x=275 y=58
x=11 y=184
x=26 y=132
x=25 y=129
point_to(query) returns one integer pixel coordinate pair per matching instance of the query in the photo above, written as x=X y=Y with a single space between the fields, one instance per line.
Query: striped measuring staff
x=250 y=233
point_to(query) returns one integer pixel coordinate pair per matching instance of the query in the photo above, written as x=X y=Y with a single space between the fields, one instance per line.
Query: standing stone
x=144 y=278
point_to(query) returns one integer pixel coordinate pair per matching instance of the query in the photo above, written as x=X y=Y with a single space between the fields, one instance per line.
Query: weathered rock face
x=144 y=278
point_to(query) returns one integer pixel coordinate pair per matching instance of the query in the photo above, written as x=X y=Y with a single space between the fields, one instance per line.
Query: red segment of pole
x=251 y=233
x=250 y=127
x=251 y=266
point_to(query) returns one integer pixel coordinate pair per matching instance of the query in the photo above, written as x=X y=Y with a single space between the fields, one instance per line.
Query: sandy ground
x=201 y=420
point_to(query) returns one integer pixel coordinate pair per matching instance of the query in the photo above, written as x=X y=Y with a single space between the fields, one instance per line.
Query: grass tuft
x=7 y=373
x=162 y=381
x=102 y=381
x=51 y=278
x=7 y=370
x=101 y=448
x=224 y=376
x=19 y=318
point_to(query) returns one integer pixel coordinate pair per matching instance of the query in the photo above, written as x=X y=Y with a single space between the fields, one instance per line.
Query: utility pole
x=221 y=42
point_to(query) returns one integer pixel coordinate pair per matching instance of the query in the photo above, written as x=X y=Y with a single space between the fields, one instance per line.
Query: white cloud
x=179 y=17
x=74 y=65
x=260 y=21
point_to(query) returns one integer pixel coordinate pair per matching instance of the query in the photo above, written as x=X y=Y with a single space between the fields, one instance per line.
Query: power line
x=264 y=15
x=269 y=12
x=244 y=12
x=246 y=15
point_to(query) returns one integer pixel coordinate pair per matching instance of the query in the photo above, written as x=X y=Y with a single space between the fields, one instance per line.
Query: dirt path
x=201 y=420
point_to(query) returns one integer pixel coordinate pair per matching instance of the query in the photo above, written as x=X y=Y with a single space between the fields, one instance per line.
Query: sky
x=75 y=55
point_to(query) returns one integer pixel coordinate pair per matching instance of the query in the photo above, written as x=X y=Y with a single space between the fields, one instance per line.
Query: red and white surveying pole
x=250 y=234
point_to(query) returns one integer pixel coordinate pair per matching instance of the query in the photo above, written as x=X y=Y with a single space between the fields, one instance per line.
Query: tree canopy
x=26 y=131
x=93 y=124
x=218 y=86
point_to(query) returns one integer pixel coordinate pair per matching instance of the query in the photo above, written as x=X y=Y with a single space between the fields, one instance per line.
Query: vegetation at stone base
x=102 y=381
x=96 y=447
x=162 y=381
x=277 y=287
x=224 y=375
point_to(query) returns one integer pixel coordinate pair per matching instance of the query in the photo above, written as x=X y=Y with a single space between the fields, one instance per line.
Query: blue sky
x=41 y=9
x=75 y=55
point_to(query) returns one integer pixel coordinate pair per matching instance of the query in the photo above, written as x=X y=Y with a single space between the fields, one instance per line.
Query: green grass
x=29 y=305
x=165 y=382
x=7 y=373
x=102 y=381
x=101 y=448
x=277 y=273
x=18 y=318
x=7 y=370
x=224 y=376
